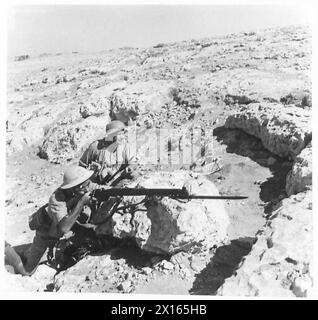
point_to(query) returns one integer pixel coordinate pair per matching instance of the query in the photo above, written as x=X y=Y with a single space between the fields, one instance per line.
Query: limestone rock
x=65 y=141
x=284 y=131
x=100 y=101
x=300 y=99
x=300 y=177
x=28 y=136
x=95 y=106
x=169 y=225
x=28 y=128
x=198 y=263
x=125 y=285
x=166 y=265
x=146 y=270
x=92 y=269
x=39 y=281
x=279 y=263
x=139 y=98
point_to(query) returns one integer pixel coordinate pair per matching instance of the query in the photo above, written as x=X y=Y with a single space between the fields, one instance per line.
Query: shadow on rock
x=134 y=256
x=76 y=248
x=243 y=144
x=222 y=265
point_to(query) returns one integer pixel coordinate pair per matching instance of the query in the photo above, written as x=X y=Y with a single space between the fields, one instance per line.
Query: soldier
x=64 y=208
x=105 y=156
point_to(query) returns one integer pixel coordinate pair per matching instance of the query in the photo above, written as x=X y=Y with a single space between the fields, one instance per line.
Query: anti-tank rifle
x=103 y=194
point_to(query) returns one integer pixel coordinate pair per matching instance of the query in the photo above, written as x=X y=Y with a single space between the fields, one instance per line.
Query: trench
x=248 y=170
x=245 y=169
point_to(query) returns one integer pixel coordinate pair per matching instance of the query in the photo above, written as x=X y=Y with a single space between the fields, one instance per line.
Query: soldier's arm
x=86 y=158
x=68 y=221
x=83 y=162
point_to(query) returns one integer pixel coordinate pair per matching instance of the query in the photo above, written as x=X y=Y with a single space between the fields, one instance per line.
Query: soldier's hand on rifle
x=85 y=215
x=95 y=166
x=86 y=198
x=106 y=172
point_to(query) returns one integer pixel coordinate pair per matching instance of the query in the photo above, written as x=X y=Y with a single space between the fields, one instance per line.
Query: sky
x=65 y=28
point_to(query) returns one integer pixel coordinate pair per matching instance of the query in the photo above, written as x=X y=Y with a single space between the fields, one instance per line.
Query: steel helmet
x=114 y=127
x=75 y=175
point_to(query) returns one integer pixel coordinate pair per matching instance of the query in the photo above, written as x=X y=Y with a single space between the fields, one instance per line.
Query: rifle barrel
x=217 y=197
x=103 y=194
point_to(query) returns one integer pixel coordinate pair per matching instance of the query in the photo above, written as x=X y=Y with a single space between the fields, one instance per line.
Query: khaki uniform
x=108 y=154
x=41 y=242
x=47 y=235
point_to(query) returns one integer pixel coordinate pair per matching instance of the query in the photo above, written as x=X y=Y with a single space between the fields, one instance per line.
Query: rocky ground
x=253 y=89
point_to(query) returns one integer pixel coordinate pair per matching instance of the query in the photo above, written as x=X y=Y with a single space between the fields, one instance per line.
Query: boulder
x=280 y=263
x=167 y=225
x=125 y=102
x=298 y=98
x=99 y=102
x=96 y=106
x=29 y=134
x=28 y=129
x=300 y=177
x=66 y=140
x=284 y=131
x=91 y=274
x=140 y=98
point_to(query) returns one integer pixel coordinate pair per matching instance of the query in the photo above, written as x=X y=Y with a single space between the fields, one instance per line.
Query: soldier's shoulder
x=96 y=145
x=57 y=196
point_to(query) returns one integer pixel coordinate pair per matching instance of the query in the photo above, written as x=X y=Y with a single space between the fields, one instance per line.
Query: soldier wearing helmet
x=105 y=156
x=64 y=208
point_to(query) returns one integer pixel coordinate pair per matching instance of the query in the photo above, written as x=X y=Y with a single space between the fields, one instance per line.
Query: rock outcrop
x=66 y=140
x=300 y=177
x=140 y=98
x=280 y=263
x=284 y=131
x=100 y=270
x=169 y=225
x=99 y=103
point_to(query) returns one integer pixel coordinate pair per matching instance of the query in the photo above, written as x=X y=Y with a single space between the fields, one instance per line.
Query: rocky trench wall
x=280 y=262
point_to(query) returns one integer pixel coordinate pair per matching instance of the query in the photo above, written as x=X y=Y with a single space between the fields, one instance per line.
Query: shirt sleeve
x=86 y=158
x=57 y=208
x=128 y=155
x=93 y=186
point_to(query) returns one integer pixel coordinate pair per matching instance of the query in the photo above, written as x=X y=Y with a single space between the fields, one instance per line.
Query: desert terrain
x=253 y=89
